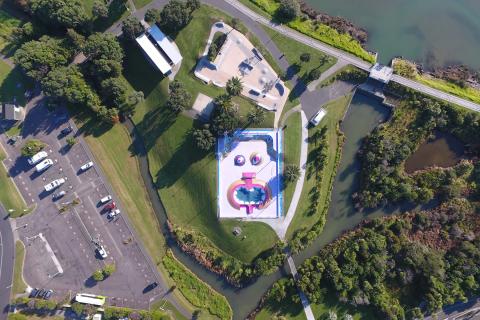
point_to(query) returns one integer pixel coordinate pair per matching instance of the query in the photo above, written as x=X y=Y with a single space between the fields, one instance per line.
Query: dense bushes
x=385 y=150
x=397 y=263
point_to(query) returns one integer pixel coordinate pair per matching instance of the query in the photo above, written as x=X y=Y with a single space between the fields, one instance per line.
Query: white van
x=318 y=117
x=37 y=158
x=44 y=165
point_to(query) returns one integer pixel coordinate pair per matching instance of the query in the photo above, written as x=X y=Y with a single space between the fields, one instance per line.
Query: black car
x=150 y=287
x=48 y=294
x=67 y=130
x=40 y=293
x=34 y=293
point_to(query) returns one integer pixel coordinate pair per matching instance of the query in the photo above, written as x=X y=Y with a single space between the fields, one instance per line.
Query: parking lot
x=61 y=235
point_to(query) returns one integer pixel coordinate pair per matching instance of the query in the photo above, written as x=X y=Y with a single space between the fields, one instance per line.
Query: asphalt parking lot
x=59 y=236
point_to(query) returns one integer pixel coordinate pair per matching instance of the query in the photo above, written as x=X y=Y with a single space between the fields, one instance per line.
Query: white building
x=159 y=49
x=381 y=73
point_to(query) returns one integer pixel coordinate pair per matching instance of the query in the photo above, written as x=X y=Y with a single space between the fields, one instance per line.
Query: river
x=364 y=114
x=433 y=32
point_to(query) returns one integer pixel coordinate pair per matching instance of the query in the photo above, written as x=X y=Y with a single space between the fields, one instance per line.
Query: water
x=433 y=32
x=364 y=114
x=255 y=195
x=442 y=151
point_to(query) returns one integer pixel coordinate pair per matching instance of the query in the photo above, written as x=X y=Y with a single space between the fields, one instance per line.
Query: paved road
x=7 y=254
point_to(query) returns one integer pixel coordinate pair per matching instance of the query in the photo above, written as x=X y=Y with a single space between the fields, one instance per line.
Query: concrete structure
x=381 y=73
x=249 y=171
x=159 y=49
x=203 y=107
x=239 y=58
x=12 y=112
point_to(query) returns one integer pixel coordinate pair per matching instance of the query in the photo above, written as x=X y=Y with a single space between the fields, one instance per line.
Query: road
x=7 y=254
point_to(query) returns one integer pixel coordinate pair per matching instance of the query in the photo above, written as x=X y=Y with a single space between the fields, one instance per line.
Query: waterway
x=433 y=32
x=444 y=150
x=364 y=114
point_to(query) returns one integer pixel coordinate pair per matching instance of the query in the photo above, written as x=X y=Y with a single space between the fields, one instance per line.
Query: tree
x=38 y=58
x=100 y=9
x=288 y=10
x=204 y=139
x=224 y=120
x=292 y=173
x=224 y=102
x=315 y=74
x=32 y=147
x=234 y=86
x=71 y=141
x=78 y=308
x=305 y=57
x=109 y=269
x=152 y=15
x=98 y=275
x=68 y=83
x=105 y=55
x=212 y=51
x=109 y=116
x=60 y=13
x=113 y=91
x=175 y=15
x=132 y=28
x=179 y=98
x=77 y=40
x=256 y=115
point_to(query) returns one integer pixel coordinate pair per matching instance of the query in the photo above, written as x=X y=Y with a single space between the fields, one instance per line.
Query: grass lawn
x=141 y=3
x=12 y=84
x=292 y=145
x=19 y=285
x=335 y=111
x=196 y=291
x=293 y=49
x=9 y=195
x=185 y=177
x=467 y=93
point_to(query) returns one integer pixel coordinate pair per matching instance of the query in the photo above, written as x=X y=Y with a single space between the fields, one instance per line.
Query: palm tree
x=256 y=115
x=234 y=86
x=292 y=173
x=224 y=102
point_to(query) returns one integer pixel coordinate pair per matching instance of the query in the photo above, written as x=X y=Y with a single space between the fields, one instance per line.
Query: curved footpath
x=7 y=255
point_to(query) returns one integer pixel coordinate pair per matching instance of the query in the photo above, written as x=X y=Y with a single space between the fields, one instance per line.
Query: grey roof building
x=13 y=112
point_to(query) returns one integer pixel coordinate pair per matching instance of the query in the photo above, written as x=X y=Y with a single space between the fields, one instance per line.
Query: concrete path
x=305 y=303
x=332 y=70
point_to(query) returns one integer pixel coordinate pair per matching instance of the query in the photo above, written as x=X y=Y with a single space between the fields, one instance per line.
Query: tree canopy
x=60 y=13
x=105 y=55
x=132 y=28
x=179 y=98
x=38 y=58
x=177 y=14
x=288 y=10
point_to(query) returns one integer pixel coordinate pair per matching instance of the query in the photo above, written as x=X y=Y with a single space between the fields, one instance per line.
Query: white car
x=102 y=252
x=54 y=184
x=105 y=199
x=86 y=166
x=44 y=165
x=318 y=117
x=37 y=158
x=112 y=214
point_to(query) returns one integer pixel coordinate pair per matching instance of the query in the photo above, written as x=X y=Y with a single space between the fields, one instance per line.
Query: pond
x=444 y=150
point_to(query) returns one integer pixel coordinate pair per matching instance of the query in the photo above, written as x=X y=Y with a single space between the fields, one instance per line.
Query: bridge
x=353 y=60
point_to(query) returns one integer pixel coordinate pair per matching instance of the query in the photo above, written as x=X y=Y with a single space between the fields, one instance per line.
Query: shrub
x=32 y=147
x=71 y=141
x=288 y=10
x=109 y=269
x=292 y=173
x=98 y=275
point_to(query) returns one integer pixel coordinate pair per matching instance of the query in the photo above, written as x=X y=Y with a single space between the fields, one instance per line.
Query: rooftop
x=381 y=73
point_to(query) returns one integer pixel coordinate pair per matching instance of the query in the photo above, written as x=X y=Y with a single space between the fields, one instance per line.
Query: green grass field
x=335 y=112
x=18 y=285
x=292 y=145
x=197 y=292
x=185 y=177
x=293 y=49
x=12 y=84
x=141 y=3
x=9 y=196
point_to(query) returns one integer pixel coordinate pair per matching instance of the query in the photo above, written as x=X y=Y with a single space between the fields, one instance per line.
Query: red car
x=110 y=206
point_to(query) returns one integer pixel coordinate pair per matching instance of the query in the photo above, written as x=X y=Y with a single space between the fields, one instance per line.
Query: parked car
x=318 y=117
x=112 y=205
x=105 y=199
x=86 y=166
x=34 y=293
x=36 y=158
x=44 y=165
x=112 y=214
x=47 y=294
x=40 y=293
x=58 y=195
x=54 y=184
x=102 y=252
x=66 y=130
